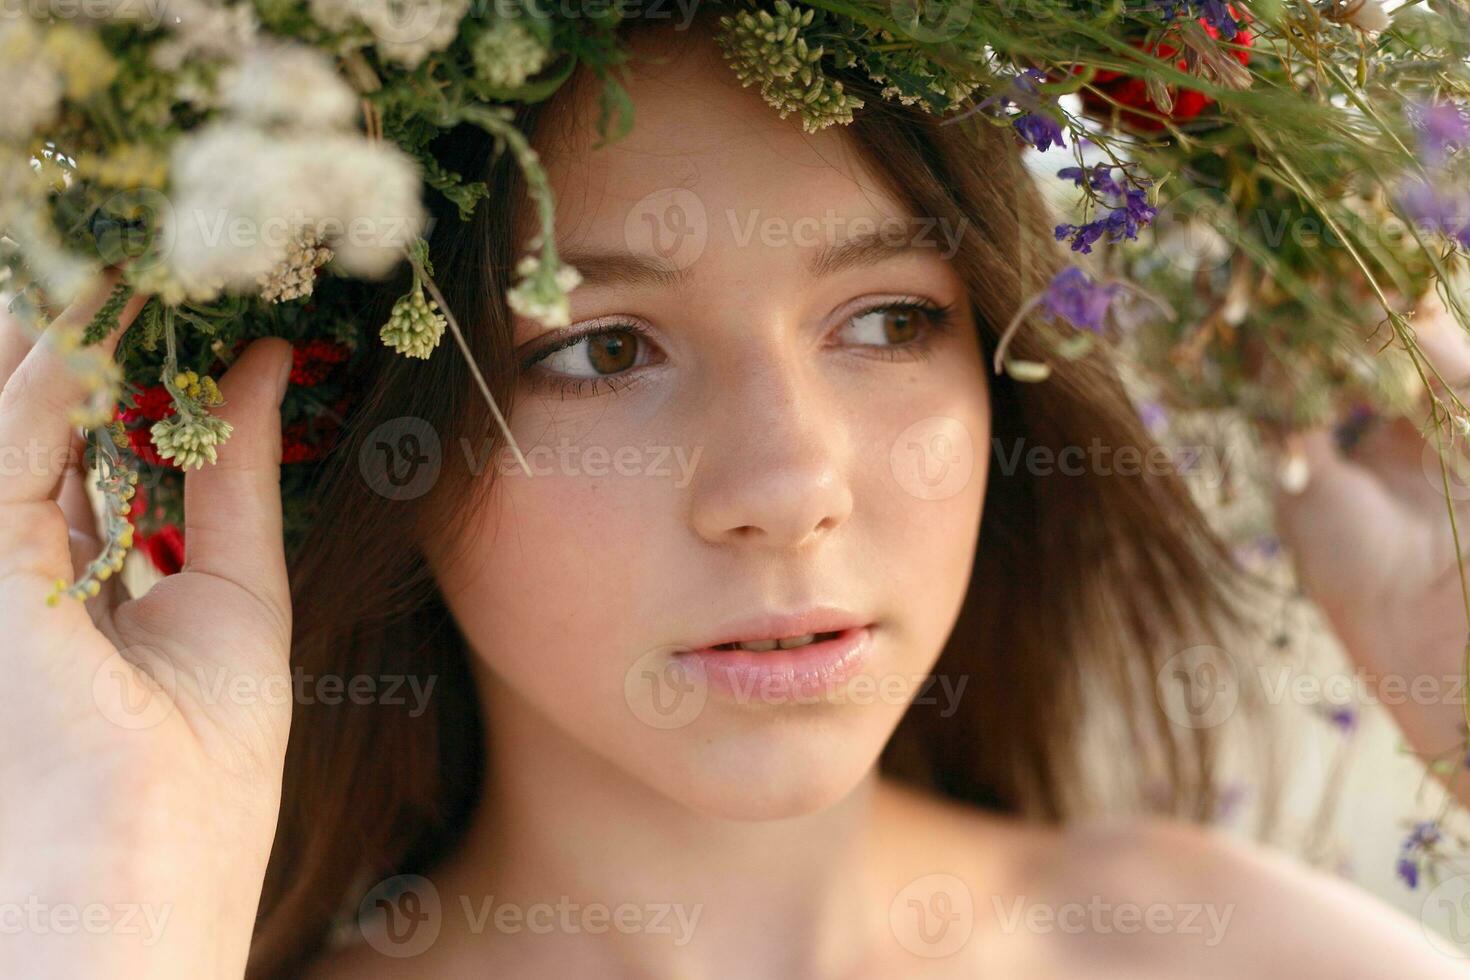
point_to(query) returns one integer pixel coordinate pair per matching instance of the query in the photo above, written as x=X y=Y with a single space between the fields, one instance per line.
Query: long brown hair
x=1082 y=585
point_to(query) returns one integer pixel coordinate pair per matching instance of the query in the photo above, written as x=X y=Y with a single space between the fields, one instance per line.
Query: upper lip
x=774 y=626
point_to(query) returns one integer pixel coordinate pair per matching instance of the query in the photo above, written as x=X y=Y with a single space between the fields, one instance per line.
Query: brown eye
x=900 y=326
x=610 y=351
x=891 y=325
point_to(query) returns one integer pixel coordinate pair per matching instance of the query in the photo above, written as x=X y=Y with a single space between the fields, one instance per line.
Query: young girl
x=775 y=665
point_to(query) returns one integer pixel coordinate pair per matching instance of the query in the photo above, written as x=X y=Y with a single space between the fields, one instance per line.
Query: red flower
x=313 y=361
x=166 y=548
x=1132 y=93
x=297 y=445
x=154 y=403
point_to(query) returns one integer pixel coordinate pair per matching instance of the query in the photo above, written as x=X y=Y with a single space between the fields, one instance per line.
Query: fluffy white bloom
x=289 y=84
x=204 y=29
x=1368 y=15
x=507 y=54
x=241 y=199
x=30 y=85
x=405 y=31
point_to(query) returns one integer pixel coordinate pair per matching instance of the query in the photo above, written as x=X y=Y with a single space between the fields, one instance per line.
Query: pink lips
x=785 y=676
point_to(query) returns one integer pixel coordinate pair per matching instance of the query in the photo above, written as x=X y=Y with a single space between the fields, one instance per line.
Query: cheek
x=923 y=498
x=551 y=571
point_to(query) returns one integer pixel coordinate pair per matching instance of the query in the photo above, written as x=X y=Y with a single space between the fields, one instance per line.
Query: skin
x=767 y=817
x=770 y=819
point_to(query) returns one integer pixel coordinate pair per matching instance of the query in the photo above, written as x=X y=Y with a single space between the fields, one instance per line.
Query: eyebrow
x=603 y=268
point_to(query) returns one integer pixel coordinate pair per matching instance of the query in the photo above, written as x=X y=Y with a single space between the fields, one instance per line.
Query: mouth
x=782 y=631
x=789 y=668
x=781 y=643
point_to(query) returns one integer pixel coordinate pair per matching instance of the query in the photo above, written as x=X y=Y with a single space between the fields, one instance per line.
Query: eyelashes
x=935 y=321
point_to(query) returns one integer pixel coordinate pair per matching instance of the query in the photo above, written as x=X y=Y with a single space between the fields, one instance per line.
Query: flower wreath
x=1203 y=137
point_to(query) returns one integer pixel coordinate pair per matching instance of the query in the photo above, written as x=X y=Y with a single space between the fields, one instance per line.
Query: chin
x=774 y=768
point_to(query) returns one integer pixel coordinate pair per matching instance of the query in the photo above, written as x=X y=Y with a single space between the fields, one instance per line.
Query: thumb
x=1322 y=499
x=232 y=508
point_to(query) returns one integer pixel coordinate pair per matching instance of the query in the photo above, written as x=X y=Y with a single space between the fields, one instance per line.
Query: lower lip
x=784 y=676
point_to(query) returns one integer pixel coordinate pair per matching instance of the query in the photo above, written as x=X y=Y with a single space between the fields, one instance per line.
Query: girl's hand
x=142 y=740
x=1374 y=548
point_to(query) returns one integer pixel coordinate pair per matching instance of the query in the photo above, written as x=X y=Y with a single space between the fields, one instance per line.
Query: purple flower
x=1343 y=718
x=1442 y=126
x=1034 y=123
x=1129 y=209
x=1072 y=296
x=1152 y=415
x=1408 y=871
x=1421 y=841
x=1216 y=13
x=1098 y=177
x=1424 y=835
x=1041 y=131
x=1443 y=210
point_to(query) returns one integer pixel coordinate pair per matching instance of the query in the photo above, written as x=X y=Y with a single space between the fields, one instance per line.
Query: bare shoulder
x=1229 y=906
x=1143 y=898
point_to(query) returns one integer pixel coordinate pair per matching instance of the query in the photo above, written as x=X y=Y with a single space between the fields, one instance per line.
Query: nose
x=773 y=474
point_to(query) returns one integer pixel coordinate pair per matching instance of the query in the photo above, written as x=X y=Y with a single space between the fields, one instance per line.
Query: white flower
x=289 y=84
x=240 y=198
x=1368 y=15
x=542 y=297
x=415 y=325
x=204 y=30
x=406 y=31
x=296 y=276
x=507 y=54
x=190 y=440
x=30 y=85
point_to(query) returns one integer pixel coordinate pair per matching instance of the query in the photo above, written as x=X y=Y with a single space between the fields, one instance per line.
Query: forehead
x=705 y=157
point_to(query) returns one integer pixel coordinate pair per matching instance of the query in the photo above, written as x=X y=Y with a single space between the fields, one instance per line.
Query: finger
x=72 y=496
x=232 y=508
x=1443 y=342
x=35 y=429
x=1330 y=499
x=15 y=344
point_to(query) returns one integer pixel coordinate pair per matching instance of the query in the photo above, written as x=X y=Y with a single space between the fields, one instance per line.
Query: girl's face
x=759 y=424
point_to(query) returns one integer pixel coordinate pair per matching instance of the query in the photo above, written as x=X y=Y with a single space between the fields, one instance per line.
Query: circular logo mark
x=1445 y=916
x=400 y=459
x=134 y=226
x=1198 y=687
x=401 y=916
x=1454 y=478
x=934 y=458
x=1197 y=230
x=400 y=21
x=931 y=20
x=670 y=224
x=665 y=690
x=933 y=916
x=135 y=692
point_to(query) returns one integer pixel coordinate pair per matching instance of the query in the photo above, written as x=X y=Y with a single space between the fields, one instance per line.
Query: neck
x=559 y=824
